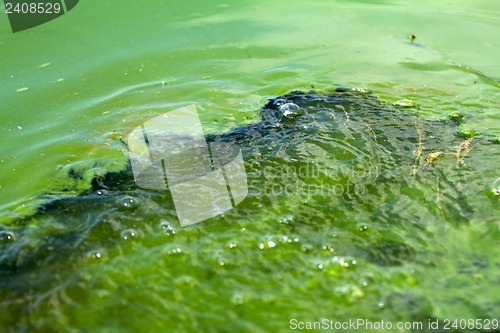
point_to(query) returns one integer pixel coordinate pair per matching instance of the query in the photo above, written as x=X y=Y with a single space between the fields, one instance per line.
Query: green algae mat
x=369 y=134
x=349 y=198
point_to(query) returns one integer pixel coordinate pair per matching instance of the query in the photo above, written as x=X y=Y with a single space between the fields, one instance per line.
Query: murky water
x=354 y=230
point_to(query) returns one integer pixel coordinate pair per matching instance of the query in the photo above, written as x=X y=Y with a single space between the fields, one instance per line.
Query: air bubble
x=289 y=109
x=269 y=244
x=167 y=228
x=172 y=250
x=7 y=236
x=467 y=133
x=128 y=203
x=95 y=255
x=128 y=234
x=286 y=239
x=327 y=248
x=456 y=116
x=279 y=102
x=286 y=219
x=344 y=262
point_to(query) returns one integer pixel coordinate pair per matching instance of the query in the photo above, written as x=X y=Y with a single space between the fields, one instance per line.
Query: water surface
x=70 y=89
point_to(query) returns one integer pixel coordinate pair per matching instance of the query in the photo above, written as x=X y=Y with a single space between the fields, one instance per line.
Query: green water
x=71 y=88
